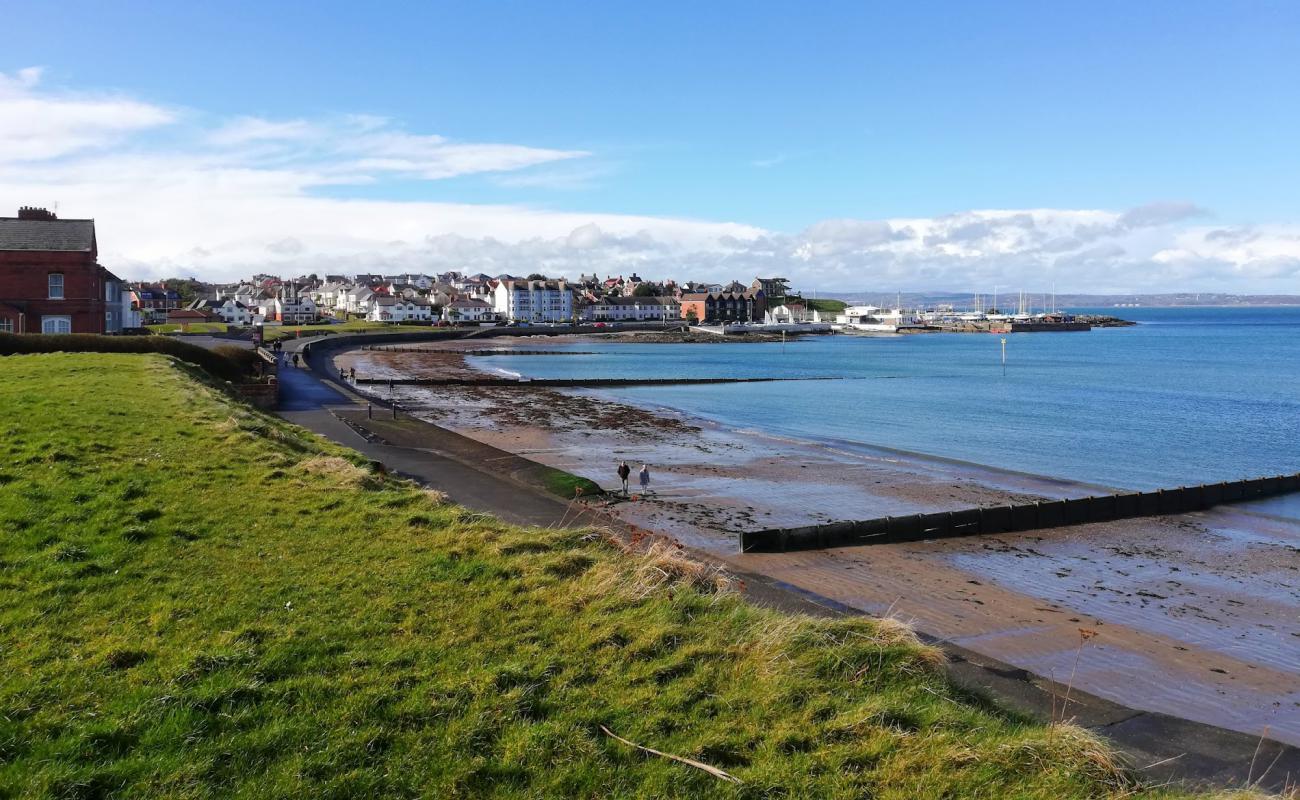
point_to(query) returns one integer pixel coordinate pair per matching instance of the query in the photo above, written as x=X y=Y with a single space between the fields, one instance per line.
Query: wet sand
x=1196 y=615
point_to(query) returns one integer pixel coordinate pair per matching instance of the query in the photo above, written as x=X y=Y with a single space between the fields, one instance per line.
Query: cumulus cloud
x=223 y=199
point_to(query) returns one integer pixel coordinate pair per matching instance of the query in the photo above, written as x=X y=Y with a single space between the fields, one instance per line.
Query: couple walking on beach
x=625 y=472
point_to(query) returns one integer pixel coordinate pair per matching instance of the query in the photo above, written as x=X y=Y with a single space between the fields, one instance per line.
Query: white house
x=355 y=300
x=632 y=309
x=289 y=306
x=411 y=279
x=468 y=311
x=233 y=312
x=399 y=309
x=788 y=313
x=327 y=295
x=533 y=301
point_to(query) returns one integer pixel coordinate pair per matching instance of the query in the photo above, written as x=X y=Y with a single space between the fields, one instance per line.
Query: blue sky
x=773 y=117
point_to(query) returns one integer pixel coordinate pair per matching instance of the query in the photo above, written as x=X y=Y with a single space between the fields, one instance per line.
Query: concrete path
x=306 y=400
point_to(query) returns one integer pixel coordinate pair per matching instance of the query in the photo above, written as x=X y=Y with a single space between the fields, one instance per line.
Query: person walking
x=352 y=374
x=624 y=472
x=295 y=360
x=645 y=478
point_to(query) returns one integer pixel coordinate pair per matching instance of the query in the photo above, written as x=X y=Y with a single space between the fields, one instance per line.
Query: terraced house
x=50 y=277
x=632 y=309
x=722 y=307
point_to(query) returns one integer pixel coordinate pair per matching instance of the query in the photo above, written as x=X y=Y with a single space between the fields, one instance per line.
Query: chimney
x=29 y=212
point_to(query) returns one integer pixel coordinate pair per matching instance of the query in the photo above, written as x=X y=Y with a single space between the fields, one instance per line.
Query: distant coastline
x=1076 y=301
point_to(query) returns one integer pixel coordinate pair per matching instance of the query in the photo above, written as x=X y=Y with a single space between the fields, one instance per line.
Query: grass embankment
x=193 y=327
x=826 y=306
x=351 y=326
x=224 y=363
x=198 y=600
x=566 y=484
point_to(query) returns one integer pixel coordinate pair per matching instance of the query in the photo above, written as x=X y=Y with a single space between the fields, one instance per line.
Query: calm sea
x=1190 y=395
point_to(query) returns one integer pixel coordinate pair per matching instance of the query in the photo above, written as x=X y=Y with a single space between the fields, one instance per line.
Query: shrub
x=214 y=363
x=245 y=358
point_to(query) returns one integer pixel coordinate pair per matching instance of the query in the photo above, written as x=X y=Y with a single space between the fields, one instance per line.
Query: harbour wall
x=1015 y=518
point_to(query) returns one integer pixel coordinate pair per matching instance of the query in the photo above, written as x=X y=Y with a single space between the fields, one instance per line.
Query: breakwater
x=499 y=351
x=565 y=383
x=1016 y=518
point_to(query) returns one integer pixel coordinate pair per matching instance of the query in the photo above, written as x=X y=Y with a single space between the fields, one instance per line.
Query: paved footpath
x=307 y=400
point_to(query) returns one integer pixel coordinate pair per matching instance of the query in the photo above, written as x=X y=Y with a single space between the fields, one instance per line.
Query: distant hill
x=1039 y=301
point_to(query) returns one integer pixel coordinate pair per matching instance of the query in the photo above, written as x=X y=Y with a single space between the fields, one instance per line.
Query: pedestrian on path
x=624 y=472
x=295 y=360
x=645 y=478
x=352 y=374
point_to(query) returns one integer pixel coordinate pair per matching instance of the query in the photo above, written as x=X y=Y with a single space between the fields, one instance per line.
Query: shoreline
x=1168 y=641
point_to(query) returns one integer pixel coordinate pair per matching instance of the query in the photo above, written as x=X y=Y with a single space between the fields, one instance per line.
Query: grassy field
x=351 y=326
x=194 y=327
x=197 y=600
x=826 y=306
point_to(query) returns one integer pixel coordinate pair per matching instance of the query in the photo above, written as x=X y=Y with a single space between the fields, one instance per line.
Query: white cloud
x=221 y=201
x=42 y=126
x=244 y=130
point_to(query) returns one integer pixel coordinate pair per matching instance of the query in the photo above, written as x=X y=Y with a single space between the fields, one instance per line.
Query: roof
x=695 y=296
x=68 y=235
x=637 y=301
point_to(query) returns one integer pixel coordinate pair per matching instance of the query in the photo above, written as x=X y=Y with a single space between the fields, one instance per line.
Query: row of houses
x=51 y=281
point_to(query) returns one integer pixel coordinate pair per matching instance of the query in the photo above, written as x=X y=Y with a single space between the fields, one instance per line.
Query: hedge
x=215 y=364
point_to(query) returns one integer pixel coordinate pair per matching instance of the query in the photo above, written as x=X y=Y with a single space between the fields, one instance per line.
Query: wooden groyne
x=1016 y=518
x=498 y=351
x=566 y=383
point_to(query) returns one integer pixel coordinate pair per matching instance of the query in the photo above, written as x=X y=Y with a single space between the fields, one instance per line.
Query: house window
x=6 y=325
x=61 y=324
x=56 y=285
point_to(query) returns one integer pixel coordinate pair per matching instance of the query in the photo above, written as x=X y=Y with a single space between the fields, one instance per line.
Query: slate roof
x=70 y=235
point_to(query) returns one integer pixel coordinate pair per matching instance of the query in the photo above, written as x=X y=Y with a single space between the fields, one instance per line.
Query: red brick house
x=50 y=278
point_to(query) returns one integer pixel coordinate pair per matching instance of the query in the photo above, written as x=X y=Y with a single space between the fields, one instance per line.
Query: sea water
x=1189 y=395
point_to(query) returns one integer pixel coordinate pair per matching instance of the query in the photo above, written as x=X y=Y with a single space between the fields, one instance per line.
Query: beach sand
x=1196 y=615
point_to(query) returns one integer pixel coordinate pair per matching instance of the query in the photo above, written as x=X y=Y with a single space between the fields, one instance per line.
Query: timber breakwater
x=565 y=383
x=1016 y=518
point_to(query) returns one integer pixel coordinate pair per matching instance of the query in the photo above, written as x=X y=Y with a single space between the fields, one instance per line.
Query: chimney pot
x=30 y=212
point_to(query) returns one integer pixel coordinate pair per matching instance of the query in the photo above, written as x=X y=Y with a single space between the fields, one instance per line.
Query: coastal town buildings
x=289 y=306
x=722 y=307
x=469 y=310
x=533 y=300
x=386 y=308
x=631 y=309
x=51 y=280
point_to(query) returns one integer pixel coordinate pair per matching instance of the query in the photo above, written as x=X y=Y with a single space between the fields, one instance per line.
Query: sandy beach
x=1196 y=615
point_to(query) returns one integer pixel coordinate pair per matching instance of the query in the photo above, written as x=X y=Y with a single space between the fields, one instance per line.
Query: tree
x=188 y=288
x=692 y=318
x=645 y=290
x=537 y=276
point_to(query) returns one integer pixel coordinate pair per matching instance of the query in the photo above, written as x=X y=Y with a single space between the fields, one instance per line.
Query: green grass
x=201 y=601
x=826 y=306
x=194 y=327
x=567 y=485
x=351 y=326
